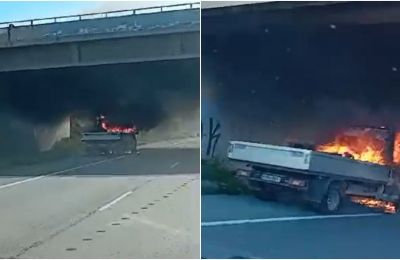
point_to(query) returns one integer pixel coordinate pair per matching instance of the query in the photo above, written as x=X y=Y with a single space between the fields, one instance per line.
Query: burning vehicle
x=110 y=139
x=360 y=164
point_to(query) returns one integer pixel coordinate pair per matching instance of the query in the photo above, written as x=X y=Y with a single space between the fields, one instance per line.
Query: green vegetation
x=218 y=179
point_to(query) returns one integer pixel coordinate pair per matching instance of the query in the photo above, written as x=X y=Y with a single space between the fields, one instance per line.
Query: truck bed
x=100 y=136
x=307 y=161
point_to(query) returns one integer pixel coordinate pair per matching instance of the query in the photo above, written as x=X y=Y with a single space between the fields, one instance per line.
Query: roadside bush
x=213 y=171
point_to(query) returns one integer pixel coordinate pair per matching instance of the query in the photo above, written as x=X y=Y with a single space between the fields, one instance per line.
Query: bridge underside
x=159 y=47
x=149 y=94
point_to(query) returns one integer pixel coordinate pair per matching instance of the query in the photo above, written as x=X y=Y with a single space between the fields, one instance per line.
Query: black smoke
x=303 y=75
x=137 y=93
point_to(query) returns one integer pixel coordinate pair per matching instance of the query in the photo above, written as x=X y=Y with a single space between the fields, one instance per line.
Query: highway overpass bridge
x=128 y=36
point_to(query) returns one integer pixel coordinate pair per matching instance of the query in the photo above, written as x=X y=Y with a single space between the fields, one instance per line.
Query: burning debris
x=386 y=206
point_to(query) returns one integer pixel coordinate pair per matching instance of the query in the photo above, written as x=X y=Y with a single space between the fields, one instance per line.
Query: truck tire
x=332 y=201
x=134 y=148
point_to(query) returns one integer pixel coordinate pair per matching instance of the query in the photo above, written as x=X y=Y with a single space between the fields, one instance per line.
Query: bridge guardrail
x=99 y=15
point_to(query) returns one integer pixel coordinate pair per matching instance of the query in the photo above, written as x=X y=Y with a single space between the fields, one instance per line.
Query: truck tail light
x=297 y=182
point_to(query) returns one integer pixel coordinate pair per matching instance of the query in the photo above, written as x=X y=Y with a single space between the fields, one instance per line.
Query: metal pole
x=10 y=26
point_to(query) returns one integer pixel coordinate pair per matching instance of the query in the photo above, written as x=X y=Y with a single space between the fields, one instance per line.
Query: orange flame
x=370 y=146
x=396 y=148
x=115 y=128
x=386 y=206
x=364 y=147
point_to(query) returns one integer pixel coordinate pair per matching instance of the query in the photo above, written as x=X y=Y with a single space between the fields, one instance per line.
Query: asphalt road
x=135 y=206
x=245 y=227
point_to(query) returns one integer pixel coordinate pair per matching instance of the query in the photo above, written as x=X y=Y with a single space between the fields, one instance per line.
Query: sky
x=13 y=11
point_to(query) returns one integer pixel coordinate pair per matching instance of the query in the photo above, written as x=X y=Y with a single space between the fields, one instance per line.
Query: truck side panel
x=265 y=154
x=346 y=167
x=308 y=162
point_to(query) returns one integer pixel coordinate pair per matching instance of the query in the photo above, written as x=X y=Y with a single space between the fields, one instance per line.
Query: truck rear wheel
x=134 y=148
x=332 y=200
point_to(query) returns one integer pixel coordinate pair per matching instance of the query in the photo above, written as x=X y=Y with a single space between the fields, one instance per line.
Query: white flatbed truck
x=321 y=178
x=105 y=143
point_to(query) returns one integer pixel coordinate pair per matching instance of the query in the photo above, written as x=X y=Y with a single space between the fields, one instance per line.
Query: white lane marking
x=57 y=172
x=135 y=175
x=115 y=200
x=281 y=219
x=161 y=226
x=174 y=165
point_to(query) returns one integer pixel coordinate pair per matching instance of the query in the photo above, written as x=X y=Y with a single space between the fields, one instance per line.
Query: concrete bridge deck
x=171 y=33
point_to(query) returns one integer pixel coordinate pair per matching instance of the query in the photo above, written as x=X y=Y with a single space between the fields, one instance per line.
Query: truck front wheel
x=332 y=200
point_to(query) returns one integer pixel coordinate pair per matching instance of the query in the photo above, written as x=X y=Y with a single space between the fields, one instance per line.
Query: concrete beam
x=182 y=45
x=101 y=28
